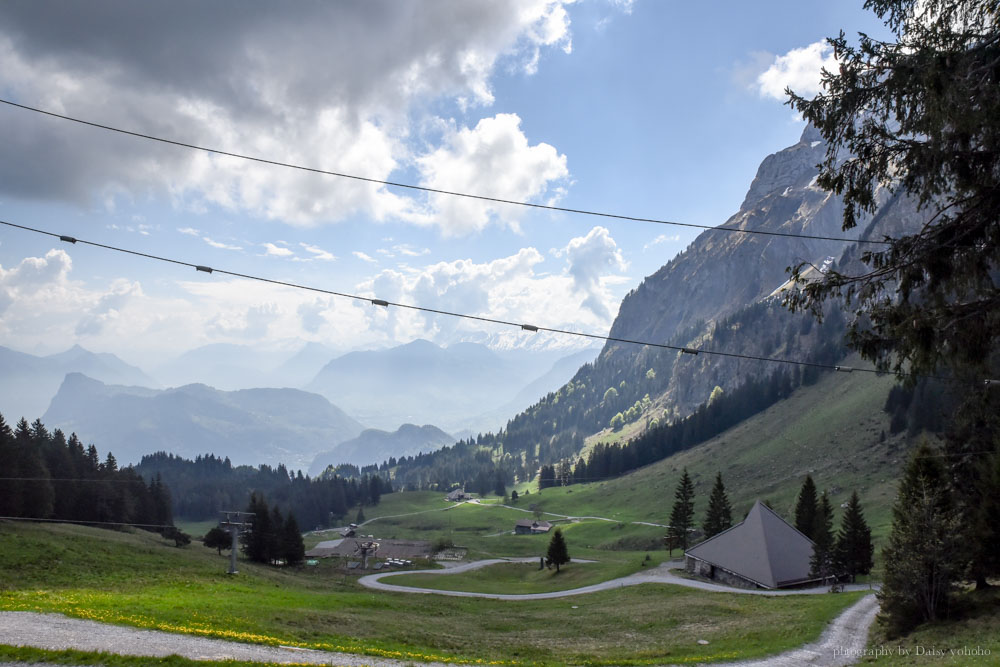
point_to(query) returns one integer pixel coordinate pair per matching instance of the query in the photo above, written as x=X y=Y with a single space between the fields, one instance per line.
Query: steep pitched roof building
x=763 y=551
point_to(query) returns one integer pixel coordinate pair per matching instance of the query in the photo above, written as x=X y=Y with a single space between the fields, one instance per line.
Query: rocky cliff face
x=710 y=296
x=721 y=272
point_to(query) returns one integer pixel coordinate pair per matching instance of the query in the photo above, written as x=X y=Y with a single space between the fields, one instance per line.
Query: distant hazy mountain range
x=250 y=426
x=375 y=446
x=229 y=367
x=28 y=382
x=463 y=386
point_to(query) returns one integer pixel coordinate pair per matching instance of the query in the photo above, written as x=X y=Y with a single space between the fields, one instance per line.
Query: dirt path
x=57 y=632
x=660 y=575
x=839 y=645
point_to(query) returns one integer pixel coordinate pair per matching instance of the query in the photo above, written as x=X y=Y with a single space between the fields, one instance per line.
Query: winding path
x=660 y=574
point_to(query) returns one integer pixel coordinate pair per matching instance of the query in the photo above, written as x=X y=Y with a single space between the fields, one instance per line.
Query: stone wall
x=702 y=569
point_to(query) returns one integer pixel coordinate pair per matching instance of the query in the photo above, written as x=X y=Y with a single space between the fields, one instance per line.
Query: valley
x=709 y=388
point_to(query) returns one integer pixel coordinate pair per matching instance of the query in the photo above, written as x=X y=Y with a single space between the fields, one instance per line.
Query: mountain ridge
x=29 y=382
x=249 y=426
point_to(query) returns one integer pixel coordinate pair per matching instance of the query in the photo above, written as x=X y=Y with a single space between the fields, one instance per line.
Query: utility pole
x=235 y=523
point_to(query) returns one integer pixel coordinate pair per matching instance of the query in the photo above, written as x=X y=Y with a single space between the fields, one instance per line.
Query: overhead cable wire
x=71 y=479
x=532 y=328
x=439 y=191
x=87 y=523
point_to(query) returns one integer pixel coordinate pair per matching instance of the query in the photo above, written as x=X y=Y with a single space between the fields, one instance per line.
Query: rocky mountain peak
x=793 y=167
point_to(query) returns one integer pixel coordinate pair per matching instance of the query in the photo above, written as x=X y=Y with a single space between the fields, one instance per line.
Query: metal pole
x=235 y=531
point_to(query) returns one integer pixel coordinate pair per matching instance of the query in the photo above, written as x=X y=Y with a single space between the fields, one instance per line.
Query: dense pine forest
x=48 y=476
x=207 y=485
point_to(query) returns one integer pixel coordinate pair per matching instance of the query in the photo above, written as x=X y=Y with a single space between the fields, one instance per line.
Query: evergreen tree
x=499 y=484
x=682 y=514
x=160 y=506
x=973 y=434
x=558 y=553
x=919 y=114
x=275 y=536
x=719 y=516
x=806 y=508
x=374 y=489
x=920 y=564
x=256 y=540
x=360 y=516
x=853 y=552
x=37 y=495
x=821 y=563
x=10 y=491
x=919 y=111
x=218 y=539
x=293 y=550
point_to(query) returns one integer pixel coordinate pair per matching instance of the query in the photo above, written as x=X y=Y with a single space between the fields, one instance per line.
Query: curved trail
x=660 y=574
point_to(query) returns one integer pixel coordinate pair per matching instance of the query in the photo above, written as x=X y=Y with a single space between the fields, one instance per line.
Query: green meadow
x=138 y=579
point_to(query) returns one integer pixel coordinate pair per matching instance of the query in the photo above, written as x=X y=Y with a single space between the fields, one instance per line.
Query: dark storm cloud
x=224 y=72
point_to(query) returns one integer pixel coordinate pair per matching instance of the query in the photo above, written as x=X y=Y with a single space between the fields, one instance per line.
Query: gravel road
x=660 y=575
x=838 y=646
x=57 y=632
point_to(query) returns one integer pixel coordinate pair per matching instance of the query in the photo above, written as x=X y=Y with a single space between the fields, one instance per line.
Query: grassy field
x=520 y=578
x=196 y=529
x=140 y=580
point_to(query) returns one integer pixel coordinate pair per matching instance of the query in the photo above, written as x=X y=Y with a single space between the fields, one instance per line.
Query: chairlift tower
x=365 y=549
x=236 y=523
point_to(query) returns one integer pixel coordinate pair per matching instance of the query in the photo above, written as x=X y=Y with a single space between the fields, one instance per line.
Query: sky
x=635 y=107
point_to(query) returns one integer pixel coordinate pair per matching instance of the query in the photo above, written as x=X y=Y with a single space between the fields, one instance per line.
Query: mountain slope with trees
x=716 y=295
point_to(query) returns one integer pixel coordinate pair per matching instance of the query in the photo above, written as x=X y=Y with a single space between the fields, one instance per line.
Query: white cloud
x=408 y=250
x=662 y=238
x=364 y=257
x=42 y=307
x=220 y=245
x=799 y=69
x=493 y=159
x=509 y=288
x=590 y=259
x=36 y=273
x=191 y=231
x=318 y=253
x=108 y=307
x=276 y=251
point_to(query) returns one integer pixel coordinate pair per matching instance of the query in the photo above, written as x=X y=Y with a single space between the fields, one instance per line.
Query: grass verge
x=523 y=578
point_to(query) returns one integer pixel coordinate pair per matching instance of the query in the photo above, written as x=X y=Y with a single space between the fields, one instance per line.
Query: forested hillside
x=203 y=487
